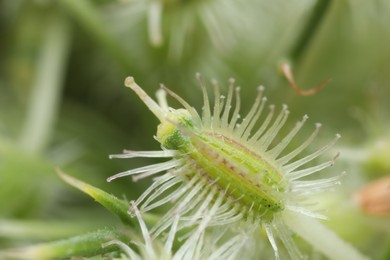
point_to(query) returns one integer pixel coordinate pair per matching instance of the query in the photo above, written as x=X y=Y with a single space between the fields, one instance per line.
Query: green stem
x=43 y=230
x=47 y=85
x=321 y=238
x=308 y=33
x=89 y=244
x=90 y=18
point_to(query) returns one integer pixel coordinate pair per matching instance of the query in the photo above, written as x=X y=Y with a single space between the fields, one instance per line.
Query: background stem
x=308 y=32
x=46 y=88
x=321 y=238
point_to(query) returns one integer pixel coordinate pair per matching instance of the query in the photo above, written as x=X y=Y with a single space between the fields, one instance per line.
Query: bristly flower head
x=226 y=169
x=192 y=247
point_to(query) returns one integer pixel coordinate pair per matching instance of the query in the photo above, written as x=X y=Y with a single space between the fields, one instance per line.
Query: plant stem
x=88 y=16
x=308 y=33
x=43 y=229
x=47 y=85
x=89 y=244
x=323 y=239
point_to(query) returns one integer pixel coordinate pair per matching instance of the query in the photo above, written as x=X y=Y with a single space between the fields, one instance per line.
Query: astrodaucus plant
x=235 y=174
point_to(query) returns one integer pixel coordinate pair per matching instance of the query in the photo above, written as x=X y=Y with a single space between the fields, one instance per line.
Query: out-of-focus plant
x=62 y=103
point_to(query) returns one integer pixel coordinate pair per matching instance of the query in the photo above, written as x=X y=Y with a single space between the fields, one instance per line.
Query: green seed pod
x=225 y=170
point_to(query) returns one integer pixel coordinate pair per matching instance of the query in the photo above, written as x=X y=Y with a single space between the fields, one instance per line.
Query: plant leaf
x=117 y=206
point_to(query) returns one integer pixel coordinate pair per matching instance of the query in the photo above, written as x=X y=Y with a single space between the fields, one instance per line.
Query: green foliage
x=63 y=104
x=88 y=244
x=110 y=202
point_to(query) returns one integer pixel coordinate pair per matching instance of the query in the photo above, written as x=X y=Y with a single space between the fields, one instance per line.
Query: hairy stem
x=321 y=238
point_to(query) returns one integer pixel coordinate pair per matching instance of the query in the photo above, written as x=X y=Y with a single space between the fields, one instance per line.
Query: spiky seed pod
x=223 y=169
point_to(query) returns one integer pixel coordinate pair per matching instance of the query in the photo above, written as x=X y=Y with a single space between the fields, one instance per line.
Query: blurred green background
x=63 y=104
